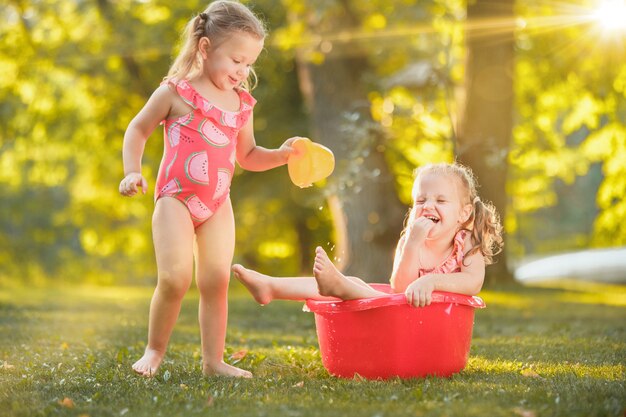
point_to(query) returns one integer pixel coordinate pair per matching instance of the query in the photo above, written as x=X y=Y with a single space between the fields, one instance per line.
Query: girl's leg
x=173 y=244
x=332 y=283
x=215 y=245
x=328 y=284
x=265 y=288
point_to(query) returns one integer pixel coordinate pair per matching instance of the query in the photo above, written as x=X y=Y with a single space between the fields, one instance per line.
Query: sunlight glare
x=611 y=14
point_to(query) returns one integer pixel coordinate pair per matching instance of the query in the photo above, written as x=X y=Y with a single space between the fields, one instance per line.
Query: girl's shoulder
x=207 y=108
x=463 y=239
x=163 y=96
x=467 y=238
x=470 y=248
x=183 y=89
x=196 y=100
x=465 y=244
x=246 y=97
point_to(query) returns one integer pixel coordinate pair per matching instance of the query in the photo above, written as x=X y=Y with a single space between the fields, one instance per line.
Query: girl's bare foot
x=257 y=283
x=224 y=369
x=330 y=282
x=149 y=363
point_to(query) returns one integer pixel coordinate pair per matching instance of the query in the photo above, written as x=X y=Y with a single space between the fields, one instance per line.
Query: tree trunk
x=367 y=213
x=485 y=128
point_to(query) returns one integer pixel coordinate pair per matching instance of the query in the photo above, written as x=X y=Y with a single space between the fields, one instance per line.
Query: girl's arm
x=405 y=265
x=139 y=129
x=468 y=281
x=252 y=157
x=406 y=262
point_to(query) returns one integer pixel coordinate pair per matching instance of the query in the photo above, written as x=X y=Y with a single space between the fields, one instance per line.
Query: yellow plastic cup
x=310 y=163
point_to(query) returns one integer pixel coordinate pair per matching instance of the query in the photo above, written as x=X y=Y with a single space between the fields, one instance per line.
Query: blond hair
x=219 y=20
x=484 y=222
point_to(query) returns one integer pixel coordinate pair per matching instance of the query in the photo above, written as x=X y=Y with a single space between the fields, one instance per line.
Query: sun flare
x=611 y=15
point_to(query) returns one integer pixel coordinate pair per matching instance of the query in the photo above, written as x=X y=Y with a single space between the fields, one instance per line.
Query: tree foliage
x=356 y=62
x=75 y=73
x=570 y=132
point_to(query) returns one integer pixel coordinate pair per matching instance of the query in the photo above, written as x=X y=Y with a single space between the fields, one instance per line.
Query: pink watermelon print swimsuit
x=199 y=153
x=454 y=261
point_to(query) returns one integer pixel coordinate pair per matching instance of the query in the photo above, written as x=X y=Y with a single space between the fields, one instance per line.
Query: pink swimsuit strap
x=199 y=152
x=454 y=261
x=233 y=119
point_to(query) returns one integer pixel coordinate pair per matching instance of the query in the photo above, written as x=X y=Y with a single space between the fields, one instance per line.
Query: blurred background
x=531 y=95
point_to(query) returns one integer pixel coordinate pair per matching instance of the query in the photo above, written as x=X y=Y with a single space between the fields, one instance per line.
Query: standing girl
x=206 y=110
x=451 y=234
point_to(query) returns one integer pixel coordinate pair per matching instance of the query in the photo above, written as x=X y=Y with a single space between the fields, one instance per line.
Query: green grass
x=535 y=352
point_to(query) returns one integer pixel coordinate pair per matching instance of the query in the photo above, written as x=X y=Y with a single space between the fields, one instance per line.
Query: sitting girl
x=451 y=234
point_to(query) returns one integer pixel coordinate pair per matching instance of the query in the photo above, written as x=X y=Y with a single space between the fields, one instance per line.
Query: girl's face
x=228 y=63
x=439 y=199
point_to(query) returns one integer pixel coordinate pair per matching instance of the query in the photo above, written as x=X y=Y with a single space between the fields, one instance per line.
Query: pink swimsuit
x=199 y=153
x=454 y=261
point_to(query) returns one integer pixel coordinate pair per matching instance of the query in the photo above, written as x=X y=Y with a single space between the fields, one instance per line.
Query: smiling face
x=440 y=198
x=228 y=64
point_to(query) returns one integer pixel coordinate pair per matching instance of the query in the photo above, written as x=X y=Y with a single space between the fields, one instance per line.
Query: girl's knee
x=174 y=284
x=215 y=282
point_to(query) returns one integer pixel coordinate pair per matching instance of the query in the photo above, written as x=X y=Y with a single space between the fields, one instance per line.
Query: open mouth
x=432 y=219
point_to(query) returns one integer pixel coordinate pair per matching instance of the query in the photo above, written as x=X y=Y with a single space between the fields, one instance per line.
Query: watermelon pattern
x=212 y=135
x=223 y=183
x=199 y=211
x=197 y=167
x=172 y=188
x=173 y=133
x=228 y=119
x=199 y=160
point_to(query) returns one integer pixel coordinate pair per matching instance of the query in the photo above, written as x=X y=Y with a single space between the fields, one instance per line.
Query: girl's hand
x=419 y=229
x=129 y=185
x=419 y=292
x=286 y=149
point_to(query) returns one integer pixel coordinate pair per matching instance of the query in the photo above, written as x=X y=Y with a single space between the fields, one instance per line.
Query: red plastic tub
x=385 y=337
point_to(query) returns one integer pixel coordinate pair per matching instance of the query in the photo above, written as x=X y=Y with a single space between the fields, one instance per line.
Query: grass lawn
x=535 y=352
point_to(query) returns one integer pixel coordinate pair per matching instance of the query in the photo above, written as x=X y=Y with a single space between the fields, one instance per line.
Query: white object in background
x=603 y=265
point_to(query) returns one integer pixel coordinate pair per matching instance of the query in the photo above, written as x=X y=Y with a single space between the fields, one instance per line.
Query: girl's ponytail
x=187 y=60
x=486 y=230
